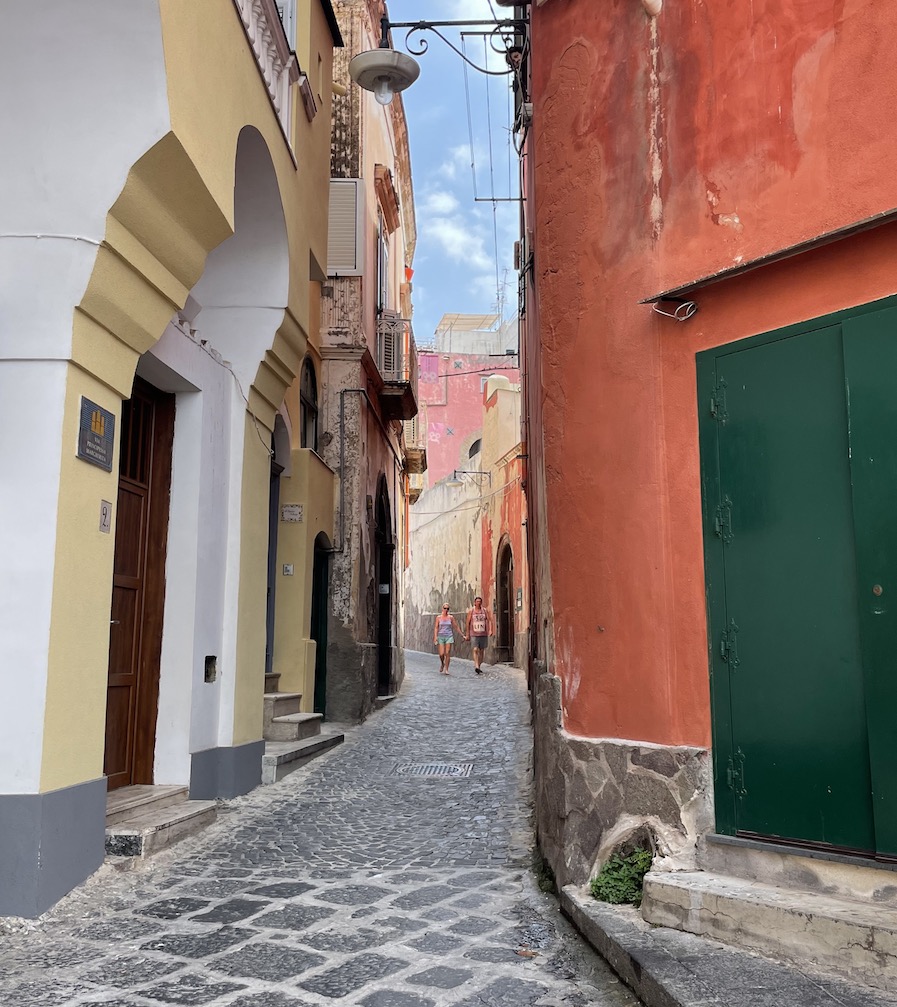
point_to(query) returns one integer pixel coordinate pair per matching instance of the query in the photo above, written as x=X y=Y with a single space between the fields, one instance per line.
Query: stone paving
x=346 y=883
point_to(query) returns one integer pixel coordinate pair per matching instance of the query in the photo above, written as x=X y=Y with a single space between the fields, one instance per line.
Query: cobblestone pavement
x=345 y=883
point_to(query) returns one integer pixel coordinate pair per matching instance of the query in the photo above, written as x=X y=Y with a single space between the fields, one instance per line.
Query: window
x=383 y=300
x=308 y=407
x=475 y=448
x=287 y=12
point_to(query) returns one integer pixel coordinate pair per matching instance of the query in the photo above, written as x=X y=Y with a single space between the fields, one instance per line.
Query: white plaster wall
x=197 y=547
x=85 y=96
x=446 y=549
x=33 y=396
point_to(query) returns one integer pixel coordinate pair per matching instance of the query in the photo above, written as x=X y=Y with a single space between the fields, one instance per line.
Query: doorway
x=504 y=597
x=385 y=553
x=799 y=468
x=138 y=585
x=320 y=589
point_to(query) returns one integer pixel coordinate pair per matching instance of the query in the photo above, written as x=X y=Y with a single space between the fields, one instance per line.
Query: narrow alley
x=348 y=881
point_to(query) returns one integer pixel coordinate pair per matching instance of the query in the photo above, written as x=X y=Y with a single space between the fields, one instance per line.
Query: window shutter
x=388 y=349
x=344 y=244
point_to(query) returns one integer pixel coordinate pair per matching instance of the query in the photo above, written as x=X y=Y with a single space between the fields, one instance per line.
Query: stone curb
x=670 y=968
x=650 y=972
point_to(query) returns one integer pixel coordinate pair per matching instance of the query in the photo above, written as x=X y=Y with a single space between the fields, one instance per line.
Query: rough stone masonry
x=345 y=884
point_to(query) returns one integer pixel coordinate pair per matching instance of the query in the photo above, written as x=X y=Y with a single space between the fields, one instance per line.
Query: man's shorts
x=480 y=642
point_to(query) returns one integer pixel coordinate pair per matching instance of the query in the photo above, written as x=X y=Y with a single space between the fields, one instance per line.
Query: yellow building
x=163 y=235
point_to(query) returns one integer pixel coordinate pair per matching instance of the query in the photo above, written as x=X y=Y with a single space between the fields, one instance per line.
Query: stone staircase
x=837 y=911
x=292 y=738
x=142 y=820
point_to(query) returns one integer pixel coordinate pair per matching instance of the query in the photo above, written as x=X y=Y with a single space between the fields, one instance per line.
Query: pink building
x=452 y=377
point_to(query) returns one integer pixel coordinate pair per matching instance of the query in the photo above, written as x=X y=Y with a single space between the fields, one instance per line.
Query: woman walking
x=444 y=637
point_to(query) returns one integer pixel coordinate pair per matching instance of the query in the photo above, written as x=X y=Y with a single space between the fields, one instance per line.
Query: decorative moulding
x=276 y=62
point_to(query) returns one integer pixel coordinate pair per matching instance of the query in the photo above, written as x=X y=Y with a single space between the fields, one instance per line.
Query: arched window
x=308 y=407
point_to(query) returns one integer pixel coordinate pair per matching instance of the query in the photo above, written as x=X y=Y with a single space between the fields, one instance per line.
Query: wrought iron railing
x=396 y=352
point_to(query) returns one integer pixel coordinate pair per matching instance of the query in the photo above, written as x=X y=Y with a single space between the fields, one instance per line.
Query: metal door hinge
x=718 y=408
x=728 y=645
x=735 y=773
x=722 y=522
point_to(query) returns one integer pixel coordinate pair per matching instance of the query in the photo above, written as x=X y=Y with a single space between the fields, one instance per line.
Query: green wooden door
x=799 y=467
x=870 y=358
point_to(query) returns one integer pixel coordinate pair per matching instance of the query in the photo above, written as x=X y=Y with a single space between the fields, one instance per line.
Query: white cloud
x=458 y=158
x=459 y=242
x=438 y=202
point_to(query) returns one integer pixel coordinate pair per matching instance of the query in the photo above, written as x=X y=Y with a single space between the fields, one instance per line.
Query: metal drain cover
x=453 y=770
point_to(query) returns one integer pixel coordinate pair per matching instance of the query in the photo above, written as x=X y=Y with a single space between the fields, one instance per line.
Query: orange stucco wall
x=662 y=152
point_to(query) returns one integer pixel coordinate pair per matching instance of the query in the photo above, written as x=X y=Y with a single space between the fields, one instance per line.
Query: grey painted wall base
x=49 y=843
x=226 y=772
x=597 y=795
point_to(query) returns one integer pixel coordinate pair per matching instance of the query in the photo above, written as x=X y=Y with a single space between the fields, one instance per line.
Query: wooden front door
x=138 y=585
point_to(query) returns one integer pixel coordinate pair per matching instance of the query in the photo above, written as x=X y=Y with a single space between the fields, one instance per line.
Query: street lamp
x=385 y=71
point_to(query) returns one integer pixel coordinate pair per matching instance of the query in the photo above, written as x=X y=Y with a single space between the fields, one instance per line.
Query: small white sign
x=291 y=513
x=288 y=569
x=105 y=517
x=384 y=589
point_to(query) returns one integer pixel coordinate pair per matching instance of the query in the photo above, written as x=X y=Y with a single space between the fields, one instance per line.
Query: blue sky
x=455 y=263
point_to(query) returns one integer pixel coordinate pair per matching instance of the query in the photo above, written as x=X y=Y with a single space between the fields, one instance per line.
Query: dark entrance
x=138 y=585
x=273 y=515
x=320 y=588
x=799 y=459
x=384 y=560
x=504 y=596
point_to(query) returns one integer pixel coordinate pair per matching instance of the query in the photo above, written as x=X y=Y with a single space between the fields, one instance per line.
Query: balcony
x=397 y=363
x=277 y=64
x=415 y=448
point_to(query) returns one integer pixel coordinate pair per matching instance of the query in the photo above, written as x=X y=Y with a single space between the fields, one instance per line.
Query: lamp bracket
x=499 y=41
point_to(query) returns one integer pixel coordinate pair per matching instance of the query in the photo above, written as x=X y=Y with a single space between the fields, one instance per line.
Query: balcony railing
x=397 y=362
x=276 y=61
x=415 y=448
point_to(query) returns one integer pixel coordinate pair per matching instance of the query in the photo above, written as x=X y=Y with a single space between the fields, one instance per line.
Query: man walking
x=480 y=626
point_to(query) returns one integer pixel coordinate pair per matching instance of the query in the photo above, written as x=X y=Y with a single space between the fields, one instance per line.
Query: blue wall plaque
x=96 y=434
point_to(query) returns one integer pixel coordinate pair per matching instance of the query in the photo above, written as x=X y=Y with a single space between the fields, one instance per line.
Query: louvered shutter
x=389 y=351
x=344 y=244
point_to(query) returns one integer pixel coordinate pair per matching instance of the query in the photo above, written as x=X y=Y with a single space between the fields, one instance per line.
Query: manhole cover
x=445 y=769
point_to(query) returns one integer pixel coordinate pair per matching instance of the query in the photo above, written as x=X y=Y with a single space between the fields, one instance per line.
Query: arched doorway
x=504 y=596
x=385 y=547
x=280 y=454
x=320 y=590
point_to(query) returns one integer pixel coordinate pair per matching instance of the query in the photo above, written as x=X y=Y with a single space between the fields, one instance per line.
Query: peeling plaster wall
x=446 y=558
x=664 y=151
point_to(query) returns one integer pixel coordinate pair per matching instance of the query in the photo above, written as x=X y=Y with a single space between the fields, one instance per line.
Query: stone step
x=842 y=936
x=151 y=831
x=279 y=704
x=129 y=801
x=282 y=757
x=820 y=871
x=294 y=727
x=384 y=700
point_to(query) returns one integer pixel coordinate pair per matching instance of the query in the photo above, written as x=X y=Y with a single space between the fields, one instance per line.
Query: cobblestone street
x=346 y=882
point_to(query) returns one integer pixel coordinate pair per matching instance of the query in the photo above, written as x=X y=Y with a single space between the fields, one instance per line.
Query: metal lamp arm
x=433 y=26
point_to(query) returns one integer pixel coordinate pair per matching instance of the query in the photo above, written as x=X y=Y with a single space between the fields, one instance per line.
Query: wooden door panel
x=870 y=358
x=138 y=590
x=790 y=644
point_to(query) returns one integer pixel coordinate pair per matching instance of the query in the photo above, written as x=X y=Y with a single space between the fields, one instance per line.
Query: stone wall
x=594 y=795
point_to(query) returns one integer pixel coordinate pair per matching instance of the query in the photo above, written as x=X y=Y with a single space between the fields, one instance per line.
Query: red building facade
x=728 y=166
